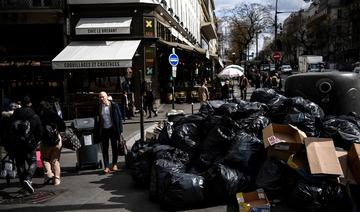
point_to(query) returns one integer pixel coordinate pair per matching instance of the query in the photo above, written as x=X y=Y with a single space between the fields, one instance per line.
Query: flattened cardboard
x=347 y=176
x=354 y=161
x=281 y=141
x=253 y=201
x=322 y=157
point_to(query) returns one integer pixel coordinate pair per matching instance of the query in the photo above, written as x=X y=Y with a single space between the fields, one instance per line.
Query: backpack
x=51 y=135
x=22 y=134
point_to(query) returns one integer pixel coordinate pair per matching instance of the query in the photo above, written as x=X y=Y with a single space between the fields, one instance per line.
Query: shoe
x=56 y=181
x=115 y=168
x=28 y=187
x=106 y=170
x=155 y=114
x=47 y=180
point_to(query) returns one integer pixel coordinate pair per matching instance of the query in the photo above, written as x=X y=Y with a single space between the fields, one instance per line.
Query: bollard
x=192 y=108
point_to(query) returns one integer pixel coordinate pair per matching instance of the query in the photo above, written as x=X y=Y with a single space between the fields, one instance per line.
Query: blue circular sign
x=173 y=59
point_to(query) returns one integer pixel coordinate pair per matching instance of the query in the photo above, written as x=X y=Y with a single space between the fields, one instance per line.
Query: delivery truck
x=310 y=63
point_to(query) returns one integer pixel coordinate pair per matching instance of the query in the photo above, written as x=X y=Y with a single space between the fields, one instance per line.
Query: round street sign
x=276 y=55
x=173 y=59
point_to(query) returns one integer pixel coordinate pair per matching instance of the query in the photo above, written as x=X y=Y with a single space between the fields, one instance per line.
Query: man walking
x=109 y=124
x=244 y=83
x=26 y=132
x=203 y=92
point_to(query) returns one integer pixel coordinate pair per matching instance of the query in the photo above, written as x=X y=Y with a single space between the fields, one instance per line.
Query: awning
x=208 y=30
x=184 y=47
x=96 y=54
x=95 y=26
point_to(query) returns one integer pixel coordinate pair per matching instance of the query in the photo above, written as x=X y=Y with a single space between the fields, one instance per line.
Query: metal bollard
x=192 y=108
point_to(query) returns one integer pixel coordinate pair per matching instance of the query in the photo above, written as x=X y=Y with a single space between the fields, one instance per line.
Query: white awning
x=96 y=54
x=95 y=26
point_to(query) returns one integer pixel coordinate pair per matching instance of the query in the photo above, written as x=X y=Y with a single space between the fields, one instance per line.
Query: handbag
x=70 y=140
x=122 y=148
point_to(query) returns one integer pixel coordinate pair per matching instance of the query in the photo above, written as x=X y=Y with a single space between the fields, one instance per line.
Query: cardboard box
x=281 y=141
x=253 y=201
x=354 y=161
x=322 y=156
x=347 y=176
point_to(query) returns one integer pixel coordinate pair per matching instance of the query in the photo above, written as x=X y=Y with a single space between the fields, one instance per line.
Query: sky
x=283 y=5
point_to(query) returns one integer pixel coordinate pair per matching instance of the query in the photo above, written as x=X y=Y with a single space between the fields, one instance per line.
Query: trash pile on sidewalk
x=249 y=155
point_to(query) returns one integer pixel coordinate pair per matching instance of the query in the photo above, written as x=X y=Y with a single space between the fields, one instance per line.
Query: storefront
x=94 y=66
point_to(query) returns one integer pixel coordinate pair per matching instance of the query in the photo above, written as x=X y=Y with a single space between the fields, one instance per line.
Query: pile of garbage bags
x=206 y=158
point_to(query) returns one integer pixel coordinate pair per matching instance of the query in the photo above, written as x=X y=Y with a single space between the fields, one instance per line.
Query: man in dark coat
x=109 y=126
x=25 y=151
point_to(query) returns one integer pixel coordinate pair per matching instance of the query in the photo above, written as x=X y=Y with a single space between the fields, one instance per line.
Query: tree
x=244 y=22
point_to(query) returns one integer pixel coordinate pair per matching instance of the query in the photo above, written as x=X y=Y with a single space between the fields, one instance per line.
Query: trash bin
x=87 y=154
x=337 y=93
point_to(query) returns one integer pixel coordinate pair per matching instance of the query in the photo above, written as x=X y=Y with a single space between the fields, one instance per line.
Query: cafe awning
x=208 y=29
x=96 y=26
x=96 y=54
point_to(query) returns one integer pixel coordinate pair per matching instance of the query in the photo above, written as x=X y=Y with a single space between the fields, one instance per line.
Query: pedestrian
x=26 y=134
x=244 y=83
x=125 y=111
x=225 y=90
x=203 y=92
x=257 y=80
x=51 y=144
x=149 y=103
x=5 y=124
x=274 y=80
x=109 y=127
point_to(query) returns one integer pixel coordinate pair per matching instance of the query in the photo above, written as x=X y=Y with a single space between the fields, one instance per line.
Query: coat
x=116 y=119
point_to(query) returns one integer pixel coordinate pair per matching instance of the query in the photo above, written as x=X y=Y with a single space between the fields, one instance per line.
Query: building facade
x=112 y=44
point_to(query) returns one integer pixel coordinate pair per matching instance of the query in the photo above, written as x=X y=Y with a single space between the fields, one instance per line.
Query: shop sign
x=90 y=64
x=149 y=27
x=149 y=60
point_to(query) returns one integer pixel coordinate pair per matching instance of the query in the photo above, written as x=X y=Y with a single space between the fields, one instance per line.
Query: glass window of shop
x=93 y=81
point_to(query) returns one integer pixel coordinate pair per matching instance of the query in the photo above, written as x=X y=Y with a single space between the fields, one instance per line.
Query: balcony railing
x=31 y=4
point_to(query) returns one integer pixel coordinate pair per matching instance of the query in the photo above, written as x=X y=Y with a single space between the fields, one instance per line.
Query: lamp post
x=276 y=24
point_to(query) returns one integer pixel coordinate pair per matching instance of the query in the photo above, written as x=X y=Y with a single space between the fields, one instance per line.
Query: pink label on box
x=274 y=140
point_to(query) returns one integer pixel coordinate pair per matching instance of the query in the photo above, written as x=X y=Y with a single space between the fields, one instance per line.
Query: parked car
x=286 y=69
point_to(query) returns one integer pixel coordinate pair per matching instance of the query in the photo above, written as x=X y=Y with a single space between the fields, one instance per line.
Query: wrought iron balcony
x=31 y=4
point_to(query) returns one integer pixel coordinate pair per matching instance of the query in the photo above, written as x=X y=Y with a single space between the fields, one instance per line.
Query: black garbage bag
x=326 y=197
x=279 y=107
x=343 y=132
x=186 y=137
x=210 y=107
x=271 y=177
x=246 y=153
x=160 y=169
x=196 y=119
x=304 y=121
x=214 y=121
x=183 y=190
x=166 y=133
x=214 y=147
x=227 y=109
x=263 y=95
x=308 y=106
x=256 y=126
x=139 y=160
x=170 y=153
x=222 y=183
x=246 y=109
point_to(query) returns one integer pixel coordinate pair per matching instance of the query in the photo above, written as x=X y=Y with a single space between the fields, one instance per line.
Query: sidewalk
x=84 y=190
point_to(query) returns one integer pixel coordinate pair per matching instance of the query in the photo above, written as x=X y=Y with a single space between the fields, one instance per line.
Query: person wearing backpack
x=51 y=142
x=25 y=136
